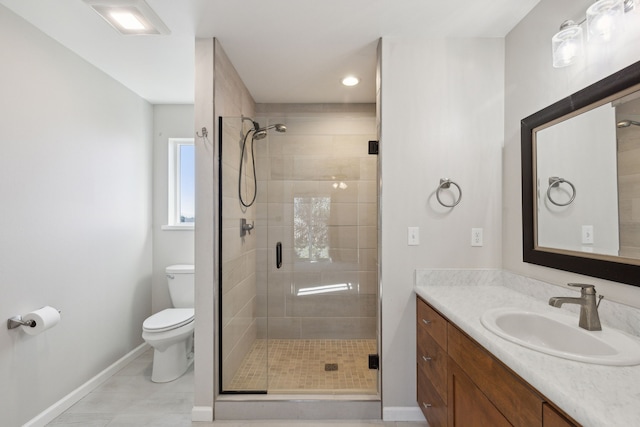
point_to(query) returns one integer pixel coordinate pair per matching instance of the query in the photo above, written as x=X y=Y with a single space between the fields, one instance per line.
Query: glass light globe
x=604 y=20
x=567 y=44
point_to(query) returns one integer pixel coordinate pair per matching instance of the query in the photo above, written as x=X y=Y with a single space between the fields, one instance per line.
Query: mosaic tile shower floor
x=298 y=366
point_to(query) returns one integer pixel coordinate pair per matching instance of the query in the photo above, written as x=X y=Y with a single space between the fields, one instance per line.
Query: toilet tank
x=180 y=279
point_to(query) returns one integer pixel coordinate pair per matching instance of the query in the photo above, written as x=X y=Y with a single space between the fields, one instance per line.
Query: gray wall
x=75 y=223
x=442 y=117
x=169 y=246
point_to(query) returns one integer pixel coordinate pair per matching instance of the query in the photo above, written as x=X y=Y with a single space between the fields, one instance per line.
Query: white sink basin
x=559 y=335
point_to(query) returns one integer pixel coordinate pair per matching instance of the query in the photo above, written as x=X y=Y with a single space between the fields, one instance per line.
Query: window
x=181 y=183
x=311 y=228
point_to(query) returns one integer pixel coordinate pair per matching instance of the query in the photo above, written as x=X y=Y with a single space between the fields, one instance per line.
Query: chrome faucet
x=589 y=318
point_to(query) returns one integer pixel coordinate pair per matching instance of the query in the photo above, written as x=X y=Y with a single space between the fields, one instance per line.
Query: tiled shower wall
x=317 y=195
x=238 y=326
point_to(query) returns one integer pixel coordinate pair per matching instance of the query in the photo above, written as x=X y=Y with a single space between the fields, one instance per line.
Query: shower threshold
x=298 y=407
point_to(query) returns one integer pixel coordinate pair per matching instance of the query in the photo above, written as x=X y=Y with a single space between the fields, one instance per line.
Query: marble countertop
x=593 y=395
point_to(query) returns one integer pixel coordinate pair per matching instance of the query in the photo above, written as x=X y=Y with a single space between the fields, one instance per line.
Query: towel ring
x=555 y=182
x=444 y=184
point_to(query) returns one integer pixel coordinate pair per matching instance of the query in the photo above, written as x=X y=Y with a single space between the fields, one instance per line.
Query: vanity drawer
x=431 y=322
x=433 y=408
x=432 y=362
x=510 y=395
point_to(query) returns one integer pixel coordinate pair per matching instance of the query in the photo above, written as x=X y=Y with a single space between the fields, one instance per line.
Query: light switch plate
x=413 y=236
x=587 y=234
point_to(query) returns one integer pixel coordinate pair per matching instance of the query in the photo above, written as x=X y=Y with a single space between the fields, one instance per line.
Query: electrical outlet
x=413 y=236
x=476 y=237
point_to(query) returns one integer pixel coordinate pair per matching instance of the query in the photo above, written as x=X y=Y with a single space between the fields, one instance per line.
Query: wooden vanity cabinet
x=461 y=384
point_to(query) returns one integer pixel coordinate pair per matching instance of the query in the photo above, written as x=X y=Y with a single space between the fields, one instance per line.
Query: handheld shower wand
x=257 y=133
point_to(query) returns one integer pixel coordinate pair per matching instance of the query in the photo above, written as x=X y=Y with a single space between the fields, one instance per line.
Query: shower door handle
x=278 y=255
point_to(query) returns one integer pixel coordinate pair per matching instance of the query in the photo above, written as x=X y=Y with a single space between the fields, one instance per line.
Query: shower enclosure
x=298 y=267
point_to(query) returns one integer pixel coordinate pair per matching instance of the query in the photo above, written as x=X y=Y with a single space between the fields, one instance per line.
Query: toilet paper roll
x=44 y=318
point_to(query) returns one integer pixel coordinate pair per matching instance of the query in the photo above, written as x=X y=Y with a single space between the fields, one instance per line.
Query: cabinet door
x=552 y=418
x=509 y=393
x=468 y=406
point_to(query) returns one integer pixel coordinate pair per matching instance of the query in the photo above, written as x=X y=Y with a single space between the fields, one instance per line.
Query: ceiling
x=286 y=51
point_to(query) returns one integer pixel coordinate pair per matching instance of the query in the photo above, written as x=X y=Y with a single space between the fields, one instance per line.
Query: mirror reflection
x=587 y=179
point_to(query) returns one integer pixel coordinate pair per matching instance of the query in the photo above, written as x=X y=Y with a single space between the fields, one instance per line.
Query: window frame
x=174 y=184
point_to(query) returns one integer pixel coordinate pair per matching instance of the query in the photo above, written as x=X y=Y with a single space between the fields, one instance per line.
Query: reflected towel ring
x=444 y=184
x=555 y=182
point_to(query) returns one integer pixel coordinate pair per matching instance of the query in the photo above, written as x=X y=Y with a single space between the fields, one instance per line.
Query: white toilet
x=170 y=331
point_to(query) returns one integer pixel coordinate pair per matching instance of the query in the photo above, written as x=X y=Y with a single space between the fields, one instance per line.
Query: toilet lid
x=170 y=318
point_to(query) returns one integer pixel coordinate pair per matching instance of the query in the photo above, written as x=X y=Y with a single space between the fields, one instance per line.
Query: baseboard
x=402 y=413
x=202 y=413
x=53 y=411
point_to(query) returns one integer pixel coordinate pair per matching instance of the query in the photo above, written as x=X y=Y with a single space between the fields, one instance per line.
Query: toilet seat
x=168 y=319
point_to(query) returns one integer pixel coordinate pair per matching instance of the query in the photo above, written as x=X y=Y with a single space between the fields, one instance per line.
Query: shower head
x=261 y=133
x=627 y=123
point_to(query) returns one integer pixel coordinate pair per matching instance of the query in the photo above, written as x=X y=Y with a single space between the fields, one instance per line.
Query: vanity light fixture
x=129 y=17
x=604 y=21
x=350 y=81
x=567 y=44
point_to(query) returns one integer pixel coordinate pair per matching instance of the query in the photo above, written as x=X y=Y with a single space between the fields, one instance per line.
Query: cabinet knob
x=426 y=358
x=425 y=321
x=426 y=405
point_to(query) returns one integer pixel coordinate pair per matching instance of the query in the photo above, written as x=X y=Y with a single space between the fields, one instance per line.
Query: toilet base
x=171 y=363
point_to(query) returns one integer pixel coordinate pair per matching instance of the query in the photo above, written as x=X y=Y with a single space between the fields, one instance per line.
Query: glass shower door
x=299 y=302
x=243 y=352
x=322 y=302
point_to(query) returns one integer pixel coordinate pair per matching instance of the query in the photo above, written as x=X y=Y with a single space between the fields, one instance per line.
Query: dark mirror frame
x=590 y=266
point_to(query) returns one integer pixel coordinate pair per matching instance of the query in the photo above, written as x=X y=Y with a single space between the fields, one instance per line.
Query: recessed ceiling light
x=350 y=81
x=129 y=17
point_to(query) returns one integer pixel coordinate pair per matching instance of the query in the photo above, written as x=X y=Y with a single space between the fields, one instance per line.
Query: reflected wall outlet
x=587 y=234
x=476 y=237
x=413 y=236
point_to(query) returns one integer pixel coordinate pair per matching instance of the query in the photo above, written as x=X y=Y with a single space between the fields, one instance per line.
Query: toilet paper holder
x=16 y=321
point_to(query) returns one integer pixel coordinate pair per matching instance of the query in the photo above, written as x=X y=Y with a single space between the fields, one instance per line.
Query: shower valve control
x=245 y=227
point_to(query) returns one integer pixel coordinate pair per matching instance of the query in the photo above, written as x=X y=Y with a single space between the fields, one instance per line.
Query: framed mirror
x=581 y=181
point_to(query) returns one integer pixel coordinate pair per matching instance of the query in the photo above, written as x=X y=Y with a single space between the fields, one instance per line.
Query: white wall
x=442 y=117
x=531 y=83
x=75 y=223
x=169 y=246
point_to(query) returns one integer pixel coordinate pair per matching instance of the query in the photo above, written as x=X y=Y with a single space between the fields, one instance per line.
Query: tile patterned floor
x=298 y=366
x=129 y=398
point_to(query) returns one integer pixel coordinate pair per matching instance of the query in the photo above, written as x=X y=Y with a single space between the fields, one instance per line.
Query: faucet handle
x=586 y=289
